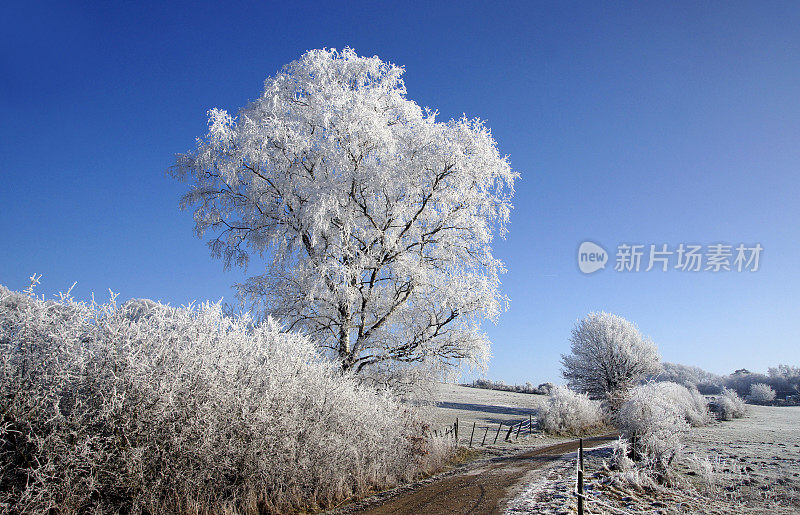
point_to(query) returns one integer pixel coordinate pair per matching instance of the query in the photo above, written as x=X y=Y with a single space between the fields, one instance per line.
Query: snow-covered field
x=487 y=409
x=757 y=457
x=756 y=469
x=483 y=406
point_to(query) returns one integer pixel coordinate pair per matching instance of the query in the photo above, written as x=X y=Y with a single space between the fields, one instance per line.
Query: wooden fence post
x=456 y=428
x=508 y=435
x=484 y=436
x=580 y=476
x=530 y=424
x=498 y=432
x=473 y=433
x=518 y=430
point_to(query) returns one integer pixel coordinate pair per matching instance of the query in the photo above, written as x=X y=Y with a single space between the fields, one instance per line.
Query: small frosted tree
x=761 y=392
x=374 y=220
x=729 y=405
x=609 y=356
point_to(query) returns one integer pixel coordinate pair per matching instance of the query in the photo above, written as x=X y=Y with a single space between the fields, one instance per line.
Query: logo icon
x=591 y=257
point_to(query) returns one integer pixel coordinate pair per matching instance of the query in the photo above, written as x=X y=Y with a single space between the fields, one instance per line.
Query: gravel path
x=480 y=488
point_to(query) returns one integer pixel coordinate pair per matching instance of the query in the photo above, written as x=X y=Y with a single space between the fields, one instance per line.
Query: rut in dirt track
x=480 y=490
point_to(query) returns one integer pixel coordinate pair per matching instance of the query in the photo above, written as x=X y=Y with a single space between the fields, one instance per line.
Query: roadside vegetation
x=613 y=363
x=570 y=413
x=146 y=408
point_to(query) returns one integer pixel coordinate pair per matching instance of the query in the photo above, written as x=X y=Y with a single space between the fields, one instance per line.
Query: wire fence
x=491 y=433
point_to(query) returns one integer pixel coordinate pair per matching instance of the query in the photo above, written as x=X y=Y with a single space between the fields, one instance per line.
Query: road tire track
x=477 y=490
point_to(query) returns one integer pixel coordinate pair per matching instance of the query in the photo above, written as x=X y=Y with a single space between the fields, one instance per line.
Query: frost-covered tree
x=374 y=221
x=785 y=378
x=761 y=392
x=689 y=376
x=609 y=356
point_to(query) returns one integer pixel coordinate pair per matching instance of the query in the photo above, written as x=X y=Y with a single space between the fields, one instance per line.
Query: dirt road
x=478 y=490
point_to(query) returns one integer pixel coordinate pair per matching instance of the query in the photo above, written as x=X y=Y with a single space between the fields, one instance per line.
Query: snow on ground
x=549 y=491
x=483 y=406
x=756 y=462
x=487 y=409
x=756 y=458
x=553 y=492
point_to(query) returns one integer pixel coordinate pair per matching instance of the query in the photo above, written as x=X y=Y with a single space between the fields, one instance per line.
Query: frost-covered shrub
x=488 y=384
x=654 y=418
x=567 y=412
x=626 y=472
x=729 y=405
x=698 y=411
x=691 y=404
x=149 y=408
x=761 y=392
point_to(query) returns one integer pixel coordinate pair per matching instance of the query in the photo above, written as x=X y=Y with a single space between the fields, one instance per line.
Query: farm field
x=756 y=469
x=757 y=457
x=483 y=406
x=486 y=410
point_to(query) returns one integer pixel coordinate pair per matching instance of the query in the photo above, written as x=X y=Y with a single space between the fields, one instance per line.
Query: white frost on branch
x=146 y=408
x=609 y=356
x=375 y=221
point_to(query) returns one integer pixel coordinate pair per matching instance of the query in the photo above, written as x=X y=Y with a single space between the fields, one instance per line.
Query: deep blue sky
x=628 y=122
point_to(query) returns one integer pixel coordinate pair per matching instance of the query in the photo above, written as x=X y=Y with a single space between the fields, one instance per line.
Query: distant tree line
x=488 y=384
x=783 y=379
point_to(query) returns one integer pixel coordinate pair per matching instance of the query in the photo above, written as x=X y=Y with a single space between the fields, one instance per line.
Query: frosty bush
x=654 y=418
x=148 y=408
x=761 y=392
x=691 y=405
x=567 y=412
x=729 y=405
x=698 y=411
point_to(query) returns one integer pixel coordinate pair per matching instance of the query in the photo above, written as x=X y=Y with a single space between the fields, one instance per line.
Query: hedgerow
x=149 y=408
